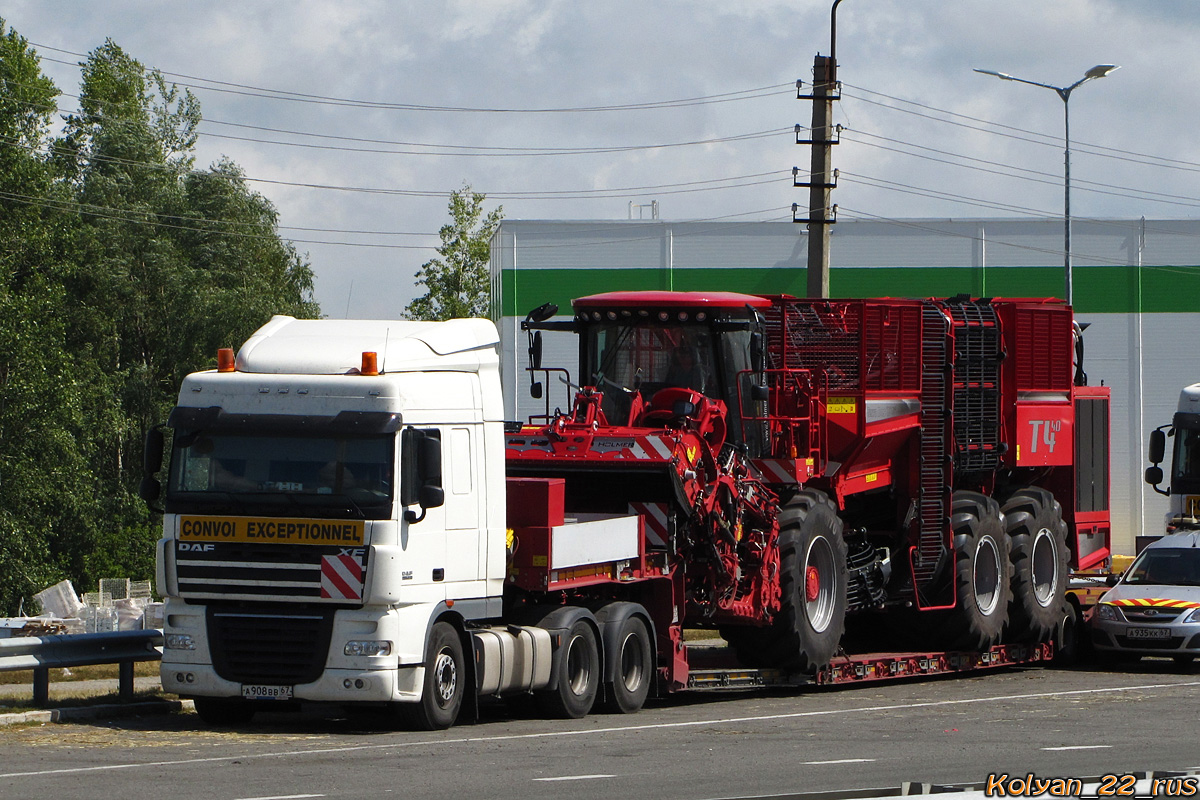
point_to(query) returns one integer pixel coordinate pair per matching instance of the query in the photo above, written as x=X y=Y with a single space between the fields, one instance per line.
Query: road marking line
x=576 y=778
x=593 y=731
x=838 y=761
x=1081 y=747
x=282 y=797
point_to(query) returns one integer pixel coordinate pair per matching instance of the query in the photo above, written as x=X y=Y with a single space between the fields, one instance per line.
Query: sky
x=358 y=118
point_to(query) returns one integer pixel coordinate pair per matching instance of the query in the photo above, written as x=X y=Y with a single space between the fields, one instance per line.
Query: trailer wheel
x=222 y=712
x=633 y=668
x=578 y=672
x=1038 y=551
x=445 y=682
x=812 y=555
x=981 y=573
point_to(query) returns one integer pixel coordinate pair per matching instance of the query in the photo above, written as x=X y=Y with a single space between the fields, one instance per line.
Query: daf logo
x=196 y=547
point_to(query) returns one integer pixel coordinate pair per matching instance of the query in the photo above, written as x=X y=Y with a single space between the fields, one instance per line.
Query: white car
x=1154 y=609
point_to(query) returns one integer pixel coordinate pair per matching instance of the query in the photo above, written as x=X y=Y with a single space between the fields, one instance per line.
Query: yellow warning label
x=271 y=530
x=872 y=477
x=841 y=405
x=1191 y=505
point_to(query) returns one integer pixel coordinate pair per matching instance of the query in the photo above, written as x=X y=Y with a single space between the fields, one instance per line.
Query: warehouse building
x=1136 y=288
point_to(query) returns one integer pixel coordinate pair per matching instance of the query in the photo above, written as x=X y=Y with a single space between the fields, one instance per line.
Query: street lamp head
x=1001 y=75
x=1101 y=71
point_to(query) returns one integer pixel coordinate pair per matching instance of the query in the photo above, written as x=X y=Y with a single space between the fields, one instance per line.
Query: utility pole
x=822 y=177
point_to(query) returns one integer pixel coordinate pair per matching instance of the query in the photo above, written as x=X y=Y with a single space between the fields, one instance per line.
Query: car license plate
x=251 y=691
x=1148 y=633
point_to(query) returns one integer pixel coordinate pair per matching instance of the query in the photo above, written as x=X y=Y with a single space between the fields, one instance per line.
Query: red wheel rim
x=812 y=584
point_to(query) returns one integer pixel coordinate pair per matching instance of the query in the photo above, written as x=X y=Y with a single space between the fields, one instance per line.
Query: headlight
x=1108 y=612
x=368 y=648
x=179 y=641
x=1194 y=616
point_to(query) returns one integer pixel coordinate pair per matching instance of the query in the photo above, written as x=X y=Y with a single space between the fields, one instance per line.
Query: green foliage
x=122 y=268
x=458 y=284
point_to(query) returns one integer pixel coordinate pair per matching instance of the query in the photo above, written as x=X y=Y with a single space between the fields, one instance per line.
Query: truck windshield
x=1185 y=475
x=1165 y=566
x=325 y=475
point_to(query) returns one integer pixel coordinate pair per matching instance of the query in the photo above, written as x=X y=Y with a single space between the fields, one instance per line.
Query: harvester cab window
x=628 y=358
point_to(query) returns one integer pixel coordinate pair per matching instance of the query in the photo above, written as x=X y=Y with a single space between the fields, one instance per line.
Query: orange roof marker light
x=225 y=360
x=370 y=363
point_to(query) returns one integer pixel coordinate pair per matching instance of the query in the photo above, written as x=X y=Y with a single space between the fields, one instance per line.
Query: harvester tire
x=1038 y=551
x=444 y=686
x=812 y=555
x=981 y=574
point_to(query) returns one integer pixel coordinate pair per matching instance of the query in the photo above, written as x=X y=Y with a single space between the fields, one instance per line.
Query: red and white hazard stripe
x=777 y=470
x=654 y=516
x=651 y=447
x=341 y=578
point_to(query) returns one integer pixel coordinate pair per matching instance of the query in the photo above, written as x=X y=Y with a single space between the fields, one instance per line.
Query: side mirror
x=421 y=471
x=1154 y=475
x=1158 y=447
x=152 y=455
x=149 y=489
x=535 y=350
x=1111 y=580
x=432 y=496
x=757 y=356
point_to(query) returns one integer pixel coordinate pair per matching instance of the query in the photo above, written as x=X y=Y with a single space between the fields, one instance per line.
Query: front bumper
x=1146 y=639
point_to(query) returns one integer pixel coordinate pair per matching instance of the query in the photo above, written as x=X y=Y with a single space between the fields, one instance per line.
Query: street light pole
x=1098 y=71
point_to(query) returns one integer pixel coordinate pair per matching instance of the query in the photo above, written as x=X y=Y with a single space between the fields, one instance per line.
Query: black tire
x=445 y=683
x=981 y=574
x=812 y=579
x=633 y=668
x=1068 y=637
x=1038 y=552
x=577 y=669
x=223 y=712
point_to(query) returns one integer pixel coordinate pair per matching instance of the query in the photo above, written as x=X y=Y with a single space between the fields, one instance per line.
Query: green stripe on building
x=1107 y=290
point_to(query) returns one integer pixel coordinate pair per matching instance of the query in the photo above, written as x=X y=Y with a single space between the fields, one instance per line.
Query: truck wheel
x=1038 y=551
x=578 y=672
x=632 y=668
x=445 y=682
x=981 y=574
x=219 y=711
x=812 y=578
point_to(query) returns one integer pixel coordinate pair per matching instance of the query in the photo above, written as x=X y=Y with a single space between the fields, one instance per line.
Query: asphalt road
x=695 y=747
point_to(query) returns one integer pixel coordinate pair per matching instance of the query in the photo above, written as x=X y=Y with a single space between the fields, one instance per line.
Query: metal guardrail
x=43 y=653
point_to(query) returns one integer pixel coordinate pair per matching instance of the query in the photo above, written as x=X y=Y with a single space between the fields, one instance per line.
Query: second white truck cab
x=1184 y=486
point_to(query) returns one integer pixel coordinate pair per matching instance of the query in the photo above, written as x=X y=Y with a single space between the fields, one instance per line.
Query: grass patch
x=15 y=705
x=94 y=673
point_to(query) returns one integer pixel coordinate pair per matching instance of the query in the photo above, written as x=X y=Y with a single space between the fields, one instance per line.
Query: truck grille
x=232 y=571
x=274 y=648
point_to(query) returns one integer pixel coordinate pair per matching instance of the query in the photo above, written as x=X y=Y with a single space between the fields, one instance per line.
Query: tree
x=458 y=283
x=122 y=268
